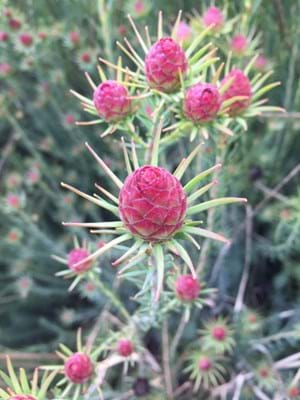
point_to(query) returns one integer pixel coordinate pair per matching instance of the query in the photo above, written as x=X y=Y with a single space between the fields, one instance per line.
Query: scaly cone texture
x=78 y=368
x=77 y=255
x=112 y=102
x=187 y=288
x=213 y=17
x=164 y=63
x=239 y=87
x=201 y=102
x=152 y=203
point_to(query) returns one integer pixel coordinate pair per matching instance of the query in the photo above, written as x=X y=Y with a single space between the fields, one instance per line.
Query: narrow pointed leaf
x=198 y=178
x=205 y=233
x=214 y=203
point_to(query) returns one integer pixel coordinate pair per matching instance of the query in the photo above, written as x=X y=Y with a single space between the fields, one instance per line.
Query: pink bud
x=187 y=288
x=13 y=200
x=22 y=397
x=69 y=119
x=124 y=347
x=26 y=39
x=184 y=32
x=204 y=364
x=74 y=37
x=85 y=57
x=261 y=63
x=14 y=23
x=5 y=69
x=78 y=368
x=77 y=255
x=4 y=36
x=219 y=333
x=239 y=44
x=213 y=17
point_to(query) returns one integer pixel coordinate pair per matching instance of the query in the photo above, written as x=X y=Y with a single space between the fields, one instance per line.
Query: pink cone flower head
x=78 y=368
x=204 y=364
x=239 y=44
x=184 y=32
x=85 y=57
x=152 y=203
x=42 y=35
x=22 y=397
x=69 y=119
x=261 y=63
x=164 y=63
x=111 y=101
x=5 y=69
x=77 y=255
x=187 y=288
x=14 y=23
x=239 y=87
x=74 y=37
x=213 y=17
x=219 y=333
x=26 y=39
x=139 y=7
x=13 y=200
x=4 y=36
x=201 y=102
x=124 y=347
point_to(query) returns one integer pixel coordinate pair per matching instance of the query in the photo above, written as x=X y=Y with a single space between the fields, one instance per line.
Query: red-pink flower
x=152 y=203
x=26 y=39
x=164 y=63
x=261 y=63
x=239 y=87
x=204 y=364
x=124 y=347
x=219 y=333
x=79 y=368
x=69 y=119
x=201 y=102
x=187 y=288
x=85 y=57
x=5 y=69
x=22 y=397
x=184 y=32
x=42 y=35
x=294 y=392
x=139 y=7
x=13 y=200
x=74 y=37
x=4 y=36
x=239 y=44
x=213 y=17
x=14 y=23
x=77 y=255
x=112 y=101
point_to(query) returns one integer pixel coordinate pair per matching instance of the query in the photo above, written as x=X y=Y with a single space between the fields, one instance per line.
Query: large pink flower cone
x=239 y=87
x=164 y=63
x=201 y=102
x=152 y=203
x=112 y=101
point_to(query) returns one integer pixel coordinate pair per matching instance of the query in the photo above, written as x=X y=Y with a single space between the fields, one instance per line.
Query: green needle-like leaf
x=214 y=203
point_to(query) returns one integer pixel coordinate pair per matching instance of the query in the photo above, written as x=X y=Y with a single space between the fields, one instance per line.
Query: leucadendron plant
x=177 y=89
